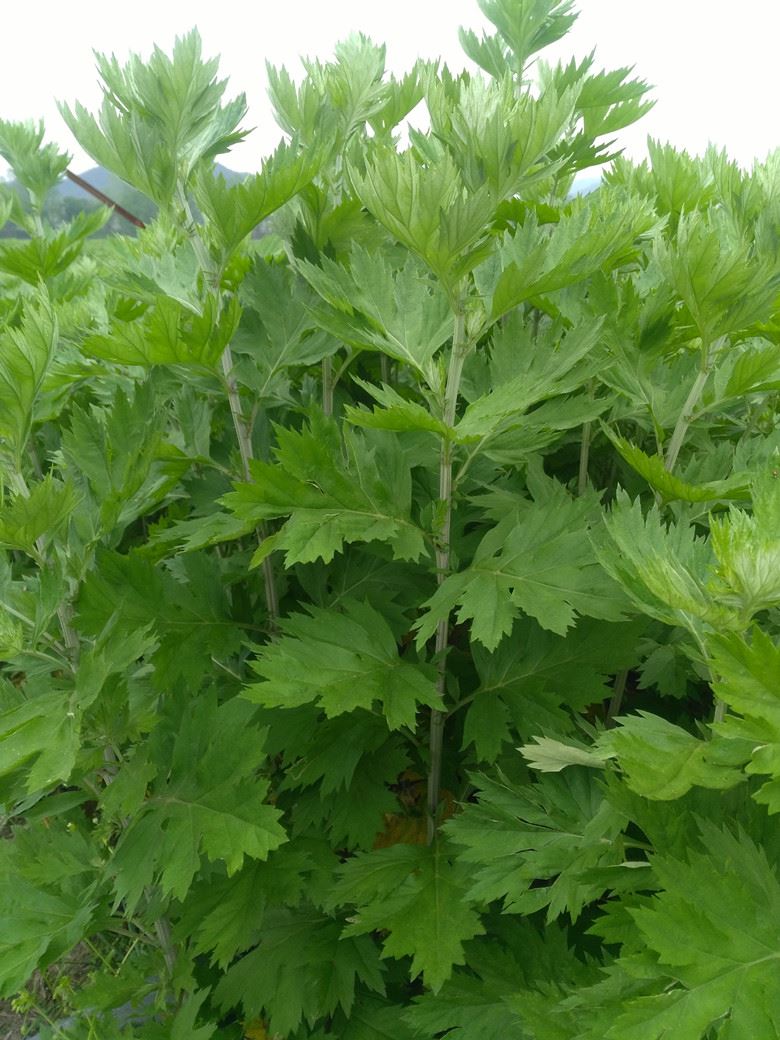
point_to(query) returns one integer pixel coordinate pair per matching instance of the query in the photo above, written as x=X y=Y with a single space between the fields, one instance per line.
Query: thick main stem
x=436 y=741
x=240 y=425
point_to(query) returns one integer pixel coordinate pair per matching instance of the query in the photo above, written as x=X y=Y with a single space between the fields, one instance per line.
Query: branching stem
x=687 y=413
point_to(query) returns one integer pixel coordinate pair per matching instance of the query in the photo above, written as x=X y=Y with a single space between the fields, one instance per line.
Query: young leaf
x=25 y=353
x=745 y=677
x=234 y=211
x=661 y=760
x=671 y=487
x=159 y=119
x=428 y=209
x=30 y=517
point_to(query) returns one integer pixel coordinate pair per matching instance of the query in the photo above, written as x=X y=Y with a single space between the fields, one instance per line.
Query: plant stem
x=616 y=701
x=582 y=479
x=327 y=386
x=686 y=415
x=460 y=349
x=240 y=425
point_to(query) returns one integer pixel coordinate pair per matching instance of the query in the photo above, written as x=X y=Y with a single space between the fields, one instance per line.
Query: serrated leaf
x=341 y=661
x=712 y=928
x=663 y=761
x=671 y=487
x=662 y=568
x=44 y=734
x=30 y=517
x=413 y=893
x=746 y=676
x=39 y=925
x=402 y=313
x=206 y=800
x=596 y=234
x=555 y=830
x=334 y=491
x=534 y=562
x=25 y=354
x=302 y=968
x=169 y=334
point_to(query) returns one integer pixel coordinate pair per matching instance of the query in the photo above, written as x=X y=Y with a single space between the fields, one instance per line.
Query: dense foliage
x=389 y=606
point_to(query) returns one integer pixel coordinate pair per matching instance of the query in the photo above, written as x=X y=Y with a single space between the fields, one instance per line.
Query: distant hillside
x=108 y=182
x=67 y=199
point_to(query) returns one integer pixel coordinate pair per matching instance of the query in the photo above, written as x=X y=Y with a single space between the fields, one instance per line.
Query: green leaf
x=25 y=354
x=233 y=211
x=302 y=968
x=522 y=371
x=225 y=914
x=32 y=516
x=341 y=661
x=663 y=761
x=746 y=676
x=169 y=334
x=396 y=413
x=533 y=680
x=402 y=313
x=556 y=830
x=44 y=734
x=415 y=895
x=334 y=491
x=724 y=283
x=159 y=119
x=534 y=561
x=712 y=931
x=43 y=917
x=181 y=1026
x=206 y=800
x=188 y=613
x=599 y=232
x=474 y=1003
x=671 y=487
x=117 y=452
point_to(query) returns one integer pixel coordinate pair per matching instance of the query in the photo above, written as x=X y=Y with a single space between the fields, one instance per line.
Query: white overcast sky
x=713 y=63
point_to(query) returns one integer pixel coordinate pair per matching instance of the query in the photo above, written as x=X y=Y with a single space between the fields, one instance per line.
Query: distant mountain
x=107 y=182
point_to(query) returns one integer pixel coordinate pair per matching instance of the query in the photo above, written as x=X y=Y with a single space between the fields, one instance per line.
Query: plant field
x=389 y=606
